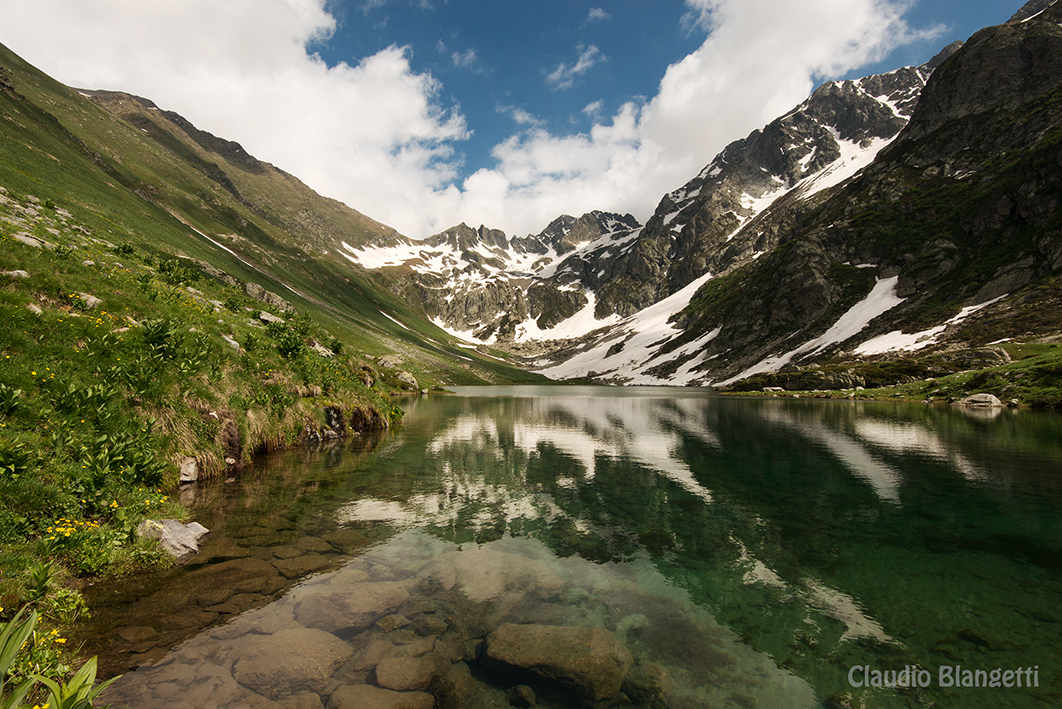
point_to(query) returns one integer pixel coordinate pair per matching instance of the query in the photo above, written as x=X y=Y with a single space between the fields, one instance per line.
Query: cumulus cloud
x=593 y=109
x=382 y=138
x=759 y=59
x=375 y=134
x=596 y=13
x=564 y=76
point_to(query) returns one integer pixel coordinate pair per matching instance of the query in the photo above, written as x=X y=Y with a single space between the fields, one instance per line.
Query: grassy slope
x=59 y=145
x=1033 y=378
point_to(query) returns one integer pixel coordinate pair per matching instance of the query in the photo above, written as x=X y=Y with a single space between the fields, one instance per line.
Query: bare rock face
x=293 y=660
x=268 y=297
x=408 y=379
x=589 y=661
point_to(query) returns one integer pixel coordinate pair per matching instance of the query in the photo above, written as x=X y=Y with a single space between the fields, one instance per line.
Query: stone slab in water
x=590 y=661
x=300 y=565
x=405 y=674
x=290 y=661
x=357 y=606
x=981 y=400
x=365 y=696
x=179 y=540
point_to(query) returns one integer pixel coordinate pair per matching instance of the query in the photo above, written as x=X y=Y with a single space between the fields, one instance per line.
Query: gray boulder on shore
x=981 y=401
x=179 y=540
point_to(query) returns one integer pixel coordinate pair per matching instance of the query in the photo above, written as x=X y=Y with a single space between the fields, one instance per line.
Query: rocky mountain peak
x=1030 y=10
x=1000 y=68
x=463 y=238
x=943 y=54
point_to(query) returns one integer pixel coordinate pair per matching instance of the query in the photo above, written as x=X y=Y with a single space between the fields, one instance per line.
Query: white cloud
x=760 y=58
x=374 y=134
x=563 y=77
x=520 y=116
x=465 y=59
x=596 y=13
x=379 y=136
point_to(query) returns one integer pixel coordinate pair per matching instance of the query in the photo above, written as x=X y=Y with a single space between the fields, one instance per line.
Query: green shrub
x=13 y=638
x=289 y=342
x=177 y=274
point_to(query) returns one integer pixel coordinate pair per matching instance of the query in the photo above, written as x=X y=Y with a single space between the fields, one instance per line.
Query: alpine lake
x=613 y=547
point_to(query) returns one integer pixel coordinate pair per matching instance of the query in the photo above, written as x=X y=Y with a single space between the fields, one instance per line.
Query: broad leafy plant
x=79 y=692
x=14 y=635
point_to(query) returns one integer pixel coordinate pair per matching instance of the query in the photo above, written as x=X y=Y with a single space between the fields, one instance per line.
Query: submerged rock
x=520 y=696
x=589 y=661
x=403 y=674
x=484 y=574
x=293 y=660
x=648 y=684
x=456 y=689
x=358 y=606
x=365 y=696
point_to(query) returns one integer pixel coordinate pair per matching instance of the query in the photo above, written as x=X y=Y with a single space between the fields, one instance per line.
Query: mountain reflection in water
x=751 y=550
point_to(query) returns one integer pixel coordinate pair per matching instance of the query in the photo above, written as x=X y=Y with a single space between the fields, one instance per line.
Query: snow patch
x=898 y=341
x=577 y=325
x=642 y=334
x=393 y=320
x=882 y=297
x=465 y=335
x=853 y=159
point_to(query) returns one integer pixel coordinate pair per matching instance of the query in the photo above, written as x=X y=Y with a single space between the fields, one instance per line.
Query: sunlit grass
x=112 y=371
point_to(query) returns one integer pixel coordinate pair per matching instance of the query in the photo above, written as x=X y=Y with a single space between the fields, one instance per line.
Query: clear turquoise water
x=803 y=537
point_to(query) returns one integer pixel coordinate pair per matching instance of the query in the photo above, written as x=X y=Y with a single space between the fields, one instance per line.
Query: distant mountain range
x=899 y=215
x=904 y=211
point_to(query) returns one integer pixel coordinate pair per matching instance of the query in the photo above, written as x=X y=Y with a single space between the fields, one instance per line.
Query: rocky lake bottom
x=419 y=623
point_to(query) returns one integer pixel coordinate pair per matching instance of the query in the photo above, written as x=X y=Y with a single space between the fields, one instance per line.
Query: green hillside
x=166 y=297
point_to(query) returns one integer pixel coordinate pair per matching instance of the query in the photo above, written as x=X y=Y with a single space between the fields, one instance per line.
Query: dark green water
x=757 y=549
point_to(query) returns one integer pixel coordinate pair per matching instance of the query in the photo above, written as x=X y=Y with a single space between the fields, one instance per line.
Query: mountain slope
x=959 y=214
x=583 y=274
x=138 y=175
x=888 y=214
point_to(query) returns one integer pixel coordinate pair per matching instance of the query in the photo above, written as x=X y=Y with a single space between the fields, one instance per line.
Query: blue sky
x=495 y=58
x=426 y=113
